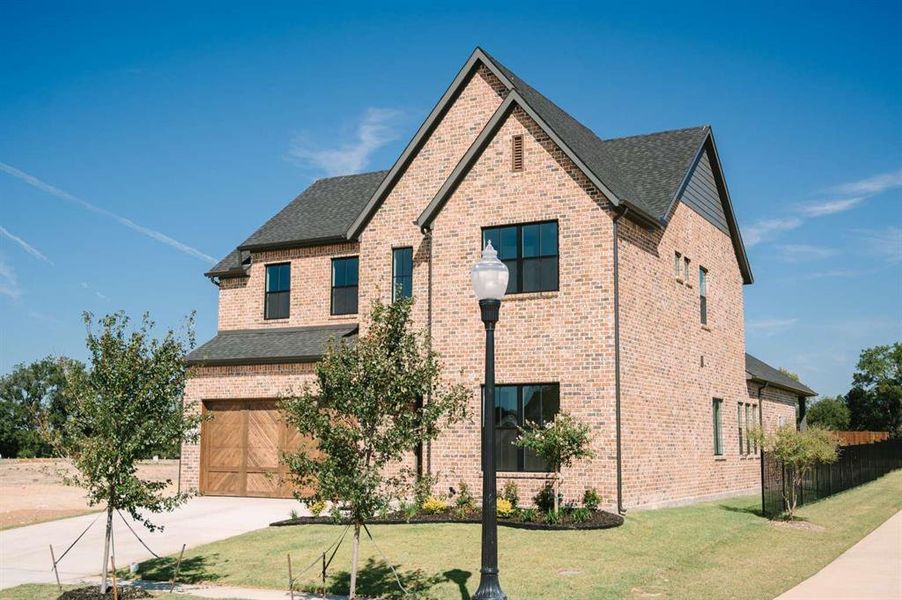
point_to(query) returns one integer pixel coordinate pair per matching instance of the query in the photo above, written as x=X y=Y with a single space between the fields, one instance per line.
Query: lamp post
x=490 y=277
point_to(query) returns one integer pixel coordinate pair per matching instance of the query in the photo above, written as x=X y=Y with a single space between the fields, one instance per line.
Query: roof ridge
x=654 y=133
x=349 y=175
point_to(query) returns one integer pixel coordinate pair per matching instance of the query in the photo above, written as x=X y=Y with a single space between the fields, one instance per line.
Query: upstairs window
x=517 y=153
x=402 y=273
x=703 y=294
x=344 y=285
x=531 y=254
x=678 y=266
x=716 y=405
x=518 y=406
x=278 y=290
x=686 y=270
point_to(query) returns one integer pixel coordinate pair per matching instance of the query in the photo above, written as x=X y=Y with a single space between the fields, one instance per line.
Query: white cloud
x=9 y=283
x=766 y=228
x=830 y=207
x=378 y=127
x=64 y=195
x=25 y=245
x=769 y=327
x=883 y=243
x=871 y=185
x=800 y=252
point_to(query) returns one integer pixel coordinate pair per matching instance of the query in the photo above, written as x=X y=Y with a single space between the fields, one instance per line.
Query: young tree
x=829 y=413
x=123 y=409
x=365 y=412
x=560 y=442
x=875 y=400
x=30 y=395
x=801 y=451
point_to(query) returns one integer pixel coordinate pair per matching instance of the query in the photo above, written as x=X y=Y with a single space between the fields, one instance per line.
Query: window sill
x=720 y=458
x=342 y=317
x=706 y=328
x=530 y=296
x=524 y=475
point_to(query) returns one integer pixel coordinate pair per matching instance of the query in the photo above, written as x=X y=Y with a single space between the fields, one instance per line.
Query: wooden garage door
x=240 y=449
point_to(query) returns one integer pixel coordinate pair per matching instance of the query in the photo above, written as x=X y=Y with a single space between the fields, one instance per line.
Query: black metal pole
x=489 y=586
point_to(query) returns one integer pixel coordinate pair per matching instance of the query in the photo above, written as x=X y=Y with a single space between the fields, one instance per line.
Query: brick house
x=624 y=308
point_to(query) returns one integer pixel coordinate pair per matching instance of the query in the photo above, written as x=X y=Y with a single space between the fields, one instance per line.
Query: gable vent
x=517 y=153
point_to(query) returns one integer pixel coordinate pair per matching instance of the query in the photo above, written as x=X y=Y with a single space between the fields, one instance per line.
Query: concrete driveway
x=25 y=551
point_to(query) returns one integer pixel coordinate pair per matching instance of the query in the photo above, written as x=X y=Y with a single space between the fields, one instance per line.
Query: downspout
x=427 y=233
x=616 y=234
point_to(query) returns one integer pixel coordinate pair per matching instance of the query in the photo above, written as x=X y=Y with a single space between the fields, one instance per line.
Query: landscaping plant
x=591 y=499
x=559 y=442
x=373 y=401
x=511 y=493
x=124 y=408
x=801 y=451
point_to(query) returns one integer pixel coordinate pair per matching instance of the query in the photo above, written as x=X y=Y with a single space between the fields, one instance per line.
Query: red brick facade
x=672 y=366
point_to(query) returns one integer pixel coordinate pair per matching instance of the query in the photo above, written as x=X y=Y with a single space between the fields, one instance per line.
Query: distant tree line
x=875 y=401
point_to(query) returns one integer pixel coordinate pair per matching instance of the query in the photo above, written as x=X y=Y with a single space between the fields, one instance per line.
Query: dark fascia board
x=321 y=241
x=515 y=99
x=799 y=392
x=222 y=362
x=240 y=272
x=477 y=57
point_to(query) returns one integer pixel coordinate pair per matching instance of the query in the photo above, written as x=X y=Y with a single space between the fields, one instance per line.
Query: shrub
x=511 y=493
x=504 y=507
x=465 y=500
x=409 y=510
x=293 y=514
x=591 y=499
x=552 y=517
x=317 y=508
x=581 y=515
x=422 y=489
x=528 y=514
x=433 y=505
x=544 y=500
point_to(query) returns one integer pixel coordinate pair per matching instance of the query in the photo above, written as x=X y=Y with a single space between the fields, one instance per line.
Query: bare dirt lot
x=32 y=491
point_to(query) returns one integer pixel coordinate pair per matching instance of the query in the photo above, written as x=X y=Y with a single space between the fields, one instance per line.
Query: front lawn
x=712 y=550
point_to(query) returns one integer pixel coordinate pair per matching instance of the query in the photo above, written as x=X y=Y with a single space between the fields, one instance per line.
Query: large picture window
x=344 y=285
x=530 y=252
x=402 y=273
x=278 y=289
x=516 y=406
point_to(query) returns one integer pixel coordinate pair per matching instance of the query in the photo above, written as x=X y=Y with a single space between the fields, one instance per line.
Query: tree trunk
x=557 y=490
x=354 y=555
x=106 y=549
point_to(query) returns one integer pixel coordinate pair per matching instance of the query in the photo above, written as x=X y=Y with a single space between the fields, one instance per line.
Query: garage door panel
x=224 y=483
x=263 y=484
x=264 y=436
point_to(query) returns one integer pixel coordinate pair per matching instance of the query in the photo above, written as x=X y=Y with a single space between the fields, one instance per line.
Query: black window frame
x=334 y=287
x=703 y=294
x=717 y=415
x=521 y=422
x=267 y=293
x=520 y=260
x=394 y=275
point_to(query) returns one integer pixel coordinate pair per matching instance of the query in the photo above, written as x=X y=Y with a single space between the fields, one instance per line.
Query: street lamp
x=489 y=282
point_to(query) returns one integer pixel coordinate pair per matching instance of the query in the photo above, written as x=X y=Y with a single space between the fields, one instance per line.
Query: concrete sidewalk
x=871 y=569
x=25 y=551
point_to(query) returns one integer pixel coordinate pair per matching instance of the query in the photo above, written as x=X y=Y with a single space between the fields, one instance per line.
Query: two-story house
x=624 y=307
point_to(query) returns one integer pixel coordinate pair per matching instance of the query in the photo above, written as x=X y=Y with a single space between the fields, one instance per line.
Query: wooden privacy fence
x=854 y=438
x=856 y=465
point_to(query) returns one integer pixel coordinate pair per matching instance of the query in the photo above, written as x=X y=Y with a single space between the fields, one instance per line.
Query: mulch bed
x=599 y=519
x=93 y=593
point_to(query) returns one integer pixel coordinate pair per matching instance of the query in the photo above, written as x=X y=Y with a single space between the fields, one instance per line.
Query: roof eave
x=303 y=243
x=807 y=392
x=274 y=360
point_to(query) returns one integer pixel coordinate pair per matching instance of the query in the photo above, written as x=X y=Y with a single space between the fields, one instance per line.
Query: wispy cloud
x=800 y=252
x=765 y=229
x=378 y=127
x=830 y=207
x=871 y=185
x=98 y=293
x=769 y=327
x=883 y=243
x=64 y=195
x=9 y=283
x=25 y=245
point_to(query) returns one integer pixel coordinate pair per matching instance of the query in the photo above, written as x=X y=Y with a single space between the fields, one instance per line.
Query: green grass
x=44 y=591
x=712 y=550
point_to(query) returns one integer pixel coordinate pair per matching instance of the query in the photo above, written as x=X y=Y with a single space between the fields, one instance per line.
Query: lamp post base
x=489 y=587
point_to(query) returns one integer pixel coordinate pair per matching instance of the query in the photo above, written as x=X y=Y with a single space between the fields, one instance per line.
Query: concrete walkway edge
x=870 y=569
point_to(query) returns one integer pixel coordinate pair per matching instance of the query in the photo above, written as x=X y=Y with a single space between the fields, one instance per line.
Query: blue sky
x=137 y=145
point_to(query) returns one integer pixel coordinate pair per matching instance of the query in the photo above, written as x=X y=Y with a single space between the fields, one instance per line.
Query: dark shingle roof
x=234 y=264
x=282 y=345
x=656 y=164
x=759 y=370
x=322 y=212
